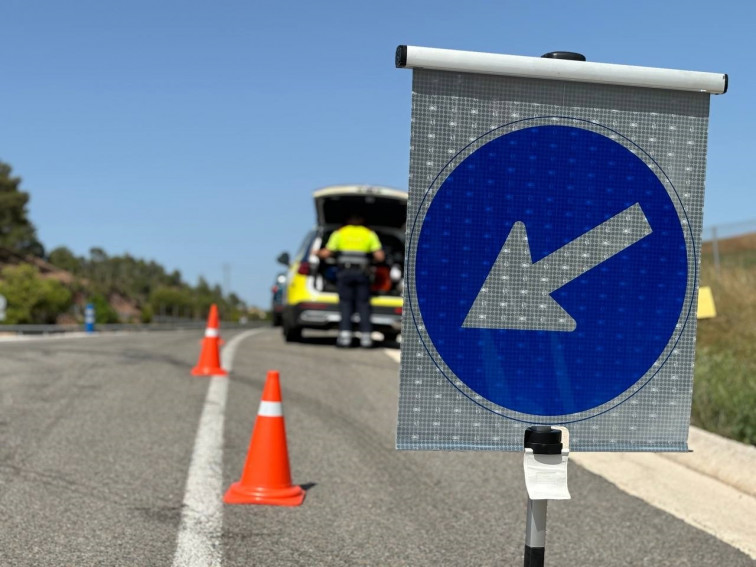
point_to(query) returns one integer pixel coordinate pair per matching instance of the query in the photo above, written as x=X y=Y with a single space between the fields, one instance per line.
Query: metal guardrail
x=172 y=326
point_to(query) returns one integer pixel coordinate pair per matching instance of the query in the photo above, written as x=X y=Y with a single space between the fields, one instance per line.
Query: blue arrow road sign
x=551 y=269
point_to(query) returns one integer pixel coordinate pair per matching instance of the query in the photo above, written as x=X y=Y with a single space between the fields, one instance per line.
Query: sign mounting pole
x=544 y=445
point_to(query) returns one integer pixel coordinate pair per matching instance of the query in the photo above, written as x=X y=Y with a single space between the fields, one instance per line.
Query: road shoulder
x=712 y=488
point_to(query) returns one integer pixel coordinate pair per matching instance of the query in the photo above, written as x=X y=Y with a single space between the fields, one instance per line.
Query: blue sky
x=193 y=133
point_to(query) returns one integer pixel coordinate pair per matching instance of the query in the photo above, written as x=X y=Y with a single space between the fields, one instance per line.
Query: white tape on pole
x=546 y=476
x=413 y=57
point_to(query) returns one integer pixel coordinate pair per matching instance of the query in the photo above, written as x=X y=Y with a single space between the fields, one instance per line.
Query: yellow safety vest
x=354 y=238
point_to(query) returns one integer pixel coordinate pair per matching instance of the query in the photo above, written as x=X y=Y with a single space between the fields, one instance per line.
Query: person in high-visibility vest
x=353 y=246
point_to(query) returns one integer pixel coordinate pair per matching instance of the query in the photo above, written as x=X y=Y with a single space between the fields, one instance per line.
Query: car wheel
x=292 y=334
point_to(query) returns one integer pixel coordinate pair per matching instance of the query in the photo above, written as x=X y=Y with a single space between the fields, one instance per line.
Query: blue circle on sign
x=561 y=182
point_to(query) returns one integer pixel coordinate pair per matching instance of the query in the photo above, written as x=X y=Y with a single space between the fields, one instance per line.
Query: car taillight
x=304 y=268
x=398 y=310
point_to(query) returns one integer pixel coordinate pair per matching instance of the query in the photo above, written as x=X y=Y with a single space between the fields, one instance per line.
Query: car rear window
x=304 y=248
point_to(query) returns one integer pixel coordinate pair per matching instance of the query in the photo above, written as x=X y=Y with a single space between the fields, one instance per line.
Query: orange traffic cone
x=266 y=478
x=209 y=360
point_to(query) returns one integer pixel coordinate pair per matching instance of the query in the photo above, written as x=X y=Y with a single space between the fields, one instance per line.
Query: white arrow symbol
x=516 y=293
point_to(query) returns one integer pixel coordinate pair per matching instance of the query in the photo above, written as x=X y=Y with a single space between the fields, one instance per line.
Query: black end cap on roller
x=401 y=57
x=543 y=440
x=569 y=55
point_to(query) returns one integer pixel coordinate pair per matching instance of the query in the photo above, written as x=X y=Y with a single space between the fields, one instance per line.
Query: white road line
x=695 y=498
x=393 y=353
x=199 y=536
x=13 y=338
x=712 y=489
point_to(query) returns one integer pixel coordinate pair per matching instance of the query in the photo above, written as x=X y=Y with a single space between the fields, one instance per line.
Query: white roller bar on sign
x=411 y=57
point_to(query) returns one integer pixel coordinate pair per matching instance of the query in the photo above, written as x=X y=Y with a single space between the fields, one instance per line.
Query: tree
x=97 y=255
x=32 y=299
x=147 y=313
x=236 y=303
x=63 y=258
x=171 y=301
x=16 y=231
x=104 y=312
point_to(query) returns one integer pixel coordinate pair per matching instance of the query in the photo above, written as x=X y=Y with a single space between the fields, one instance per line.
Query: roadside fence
x=729 y=245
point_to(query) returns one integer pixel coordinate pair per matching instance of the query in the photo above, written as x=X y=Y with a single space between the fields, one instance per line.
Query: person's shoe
x=344 y=340
x=366 y=341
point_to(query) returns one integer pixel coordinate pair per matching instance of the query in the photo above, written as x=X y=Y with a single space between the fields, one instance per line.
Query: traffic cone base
x=208 y=371
x=288 y=496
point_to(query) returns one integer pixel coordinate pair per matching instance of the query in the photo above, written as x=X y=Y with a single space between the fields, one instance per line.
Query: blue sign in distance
x=551 y=270
x=89 y=318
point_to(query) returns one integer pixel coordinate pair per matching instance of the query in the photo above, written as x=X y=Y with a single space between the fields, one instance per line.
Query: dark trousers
x=354 y=295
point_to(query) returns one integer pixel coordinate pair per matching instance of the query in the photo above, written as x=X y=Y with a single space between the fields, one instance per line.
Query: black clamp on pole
x=543 y=440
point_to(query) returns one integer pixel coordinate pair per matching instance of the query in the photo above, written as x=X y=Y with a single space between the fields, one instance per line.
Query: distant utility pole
x=227 y=278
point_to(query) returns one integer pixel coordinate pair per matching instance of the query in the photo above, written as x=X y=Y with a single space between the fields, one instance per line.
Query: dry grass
x=724 y=391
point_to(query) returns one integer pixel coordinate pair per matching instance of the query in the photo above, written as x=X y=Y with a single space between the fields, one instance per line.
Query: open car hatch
x=379 y=206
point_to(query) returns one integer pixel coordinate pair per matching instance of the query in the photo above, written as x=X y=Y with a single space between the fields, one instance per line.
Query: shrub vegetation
x=724 y=389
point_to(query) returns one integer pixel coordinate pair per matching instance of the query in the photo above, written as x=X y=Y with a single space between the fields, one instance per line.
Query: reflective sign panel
x=553 y=238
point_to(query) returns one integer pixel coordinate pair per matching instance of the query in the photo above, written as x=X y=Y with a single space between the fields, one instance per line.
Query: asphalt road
x=97 y=435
